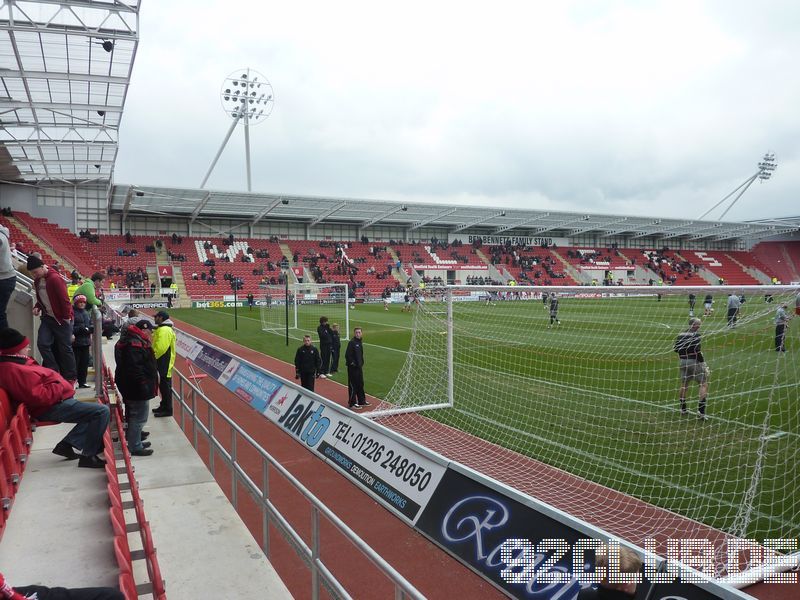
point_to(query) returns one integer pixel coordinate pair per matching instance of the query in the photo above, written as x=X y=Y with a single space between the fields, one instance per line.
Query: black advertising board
x=473 y=521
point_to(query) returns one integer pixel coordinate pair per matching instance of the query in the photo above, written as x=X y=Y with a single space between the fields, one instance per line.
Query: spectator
x=40 y=592
x=164 y=350
x=8 y=275
x=49 y=397
x=81 y=338
x=55 y=331
x=137 y=380
x=91 y=289
x=307 y=364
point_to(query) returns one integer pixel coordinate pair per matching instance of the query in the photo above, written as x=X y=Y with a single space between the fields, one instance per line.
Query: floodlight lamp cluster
x=247 y=94
x=767 y=166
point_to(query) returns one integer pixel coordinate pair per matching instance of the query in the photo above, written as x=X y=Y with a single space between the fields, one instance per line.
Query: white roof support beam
x=264 y=212
x=598 y=226
x=735 y=233
x=441 y=215
x=768 y=234
x=561 y=224
x=698 y=234
x=328 y=213
x=199 y=208
x=480 y=220
x=521 y=224
x=661 y=230
x=55 y=76
x=382 y=216
x=127 y=206
x=645 y=233
x=62 y=106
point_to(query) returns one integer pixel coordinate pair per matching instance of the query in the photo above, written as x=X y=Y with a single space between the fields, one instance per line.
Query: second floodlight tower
x=247 y=97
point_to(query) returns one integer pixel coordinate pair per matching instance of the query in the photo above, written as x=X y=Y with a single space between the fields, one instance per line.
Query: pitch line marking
x=670 y=408
x=625 y=468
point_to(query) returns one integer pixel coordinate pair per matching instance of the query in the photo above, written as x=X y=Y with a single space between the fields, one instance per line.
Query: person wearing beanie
x=136 y=376
x=8 y=275
x=164 y=349
x=49 y=397
x=54 y=339
x=81 y=338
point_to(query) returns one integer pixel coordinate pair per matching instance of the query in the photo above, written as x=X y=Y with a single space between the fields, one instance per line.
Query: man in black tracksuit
x=354 y=359
x=307 y=363
x=324 y=333
x=336 y=349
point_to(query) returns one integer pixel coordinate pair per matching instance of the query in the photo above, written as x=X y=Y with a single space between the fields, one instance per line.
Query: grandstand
x=605 y=455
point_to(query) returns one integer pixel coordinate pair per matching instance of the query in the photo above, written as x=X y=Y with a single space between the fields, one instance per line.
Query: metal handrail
x=311 y=555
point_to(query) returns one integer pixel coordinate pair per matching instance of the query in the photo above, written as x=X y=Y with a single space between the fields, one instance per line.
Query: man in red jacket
x=49 y=397
x=55 y=333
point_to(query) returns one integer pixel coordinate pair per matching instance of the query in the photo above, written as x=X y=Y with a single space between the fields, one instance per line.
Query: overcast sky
x=640 y=108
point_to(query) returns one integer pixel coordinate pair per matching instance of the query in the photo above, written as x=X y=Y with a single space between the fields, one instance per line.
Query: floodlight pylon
x=247 y=96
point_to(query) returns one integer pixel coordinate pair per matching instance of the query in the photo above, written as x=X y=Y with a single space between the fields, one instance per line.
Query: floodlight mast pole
x=765 y=169
x=242 y=102
x=219 y=153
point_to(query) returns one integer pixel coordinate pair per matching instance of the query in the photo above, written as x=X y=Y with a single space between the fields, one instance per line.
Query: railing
x=187 y=394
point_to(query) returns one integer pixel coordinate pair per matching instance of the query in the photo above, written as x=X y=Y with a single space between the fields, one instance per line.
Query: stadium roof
x=312 y=210
x=65 y=69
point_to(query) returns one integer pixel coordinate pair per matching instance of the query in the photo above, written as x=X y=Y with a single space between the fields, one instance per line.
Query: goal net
x=303 y=304
x=592 y=387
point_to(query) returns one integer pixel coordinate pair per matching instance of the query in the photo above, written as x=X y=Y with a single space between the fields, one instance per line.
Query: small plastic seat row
x=16 y=439
x=121 y=479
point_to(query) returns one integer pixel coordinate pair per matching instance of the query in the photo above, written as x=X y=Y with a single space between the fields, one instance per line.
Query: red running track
x=430 y=569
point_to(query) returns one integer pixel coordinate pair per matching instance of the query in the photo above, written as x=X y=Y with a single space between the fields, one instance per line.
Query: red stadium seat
x=10 y=460
x=127 y=586
x=6 y=410
x=122 y=554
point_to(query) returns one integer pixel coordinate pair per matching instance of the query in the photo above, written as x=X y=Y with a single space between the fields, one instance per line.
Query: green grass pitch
x=598 y=396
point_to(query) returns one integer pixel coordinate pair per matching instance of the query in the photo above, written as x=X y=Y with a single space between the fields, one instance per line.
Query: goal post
x=306 y=303
x=587 y=379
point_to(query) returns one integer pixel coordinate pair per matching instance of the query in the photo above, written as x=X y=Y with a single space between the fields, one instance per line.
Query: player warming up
x=692 y=366
x=553 y=310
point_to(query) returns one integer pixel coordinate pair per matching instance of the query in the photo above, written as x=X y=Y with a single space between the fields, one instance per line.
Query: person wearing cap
x=49 y=397
x=81 y=338
x=8 y=275
x=137 y=380
x=164 y=349
x=54 y=339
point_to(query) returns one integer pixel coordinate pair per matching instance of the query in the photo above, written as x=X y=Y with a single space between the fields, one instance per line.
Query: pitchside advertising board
x=465 y=513
x=513 y=543
x=396 y=474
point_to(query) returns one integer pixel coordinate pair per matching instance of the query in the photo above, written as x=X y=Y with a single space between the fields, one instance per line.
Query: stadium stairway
x=64 y=242
x=495 y=273
x=397 y=274
x=44 y=247
x=782 y=259
x=754 y=272
x=183 y=294
x=574 y=277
